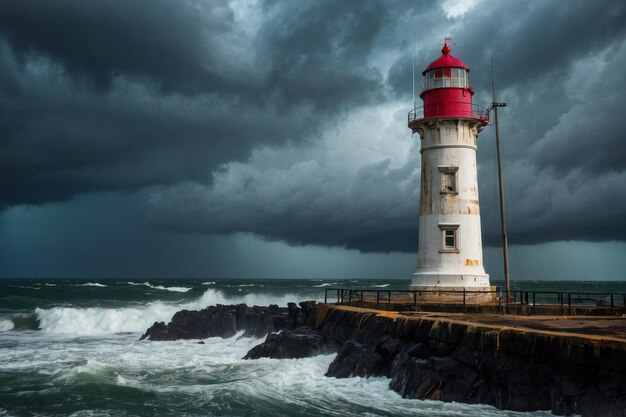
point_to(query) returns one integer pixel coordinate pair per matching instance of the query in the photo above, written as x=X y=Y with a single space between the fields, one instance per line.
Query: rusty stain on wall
x=449 y=204
x=426 y=203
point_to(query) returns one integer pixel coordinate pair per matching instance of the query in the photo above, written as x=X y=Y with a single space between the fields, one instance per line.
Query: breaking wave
x=100 y=320
x=92 y=284
x=6 y=325
x=161 y=287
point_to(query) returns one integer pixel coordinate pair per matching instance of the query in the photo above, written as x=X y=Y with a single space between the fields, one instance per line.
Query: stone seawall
x=510 y=368
x=500 y=362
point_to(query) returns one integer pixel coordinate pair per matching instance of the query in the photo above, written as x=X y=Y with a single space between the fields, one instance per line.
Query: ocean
x=71 y=347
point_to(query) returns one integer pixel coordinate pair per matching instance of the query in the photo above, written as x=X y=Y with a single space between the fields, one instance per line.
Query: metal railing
x=436 y=110
x=530 y=302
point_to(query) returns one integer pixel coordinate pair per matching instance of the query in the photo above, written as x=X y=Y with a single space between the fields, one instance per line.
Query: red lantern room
x=447 y=92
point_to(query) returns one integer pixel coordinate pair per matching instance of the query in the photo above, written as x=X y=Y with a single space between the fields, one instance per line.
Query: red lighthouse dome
x=447 y=92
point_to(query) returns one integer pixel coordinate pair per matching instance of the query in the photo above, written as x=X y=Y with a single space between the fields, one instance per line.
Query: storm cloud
x=287 y=120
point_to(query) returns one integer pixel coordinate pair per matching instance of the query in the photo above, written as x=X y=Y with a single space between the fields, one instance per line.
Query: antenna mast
x=505 y=243
x=413 y=72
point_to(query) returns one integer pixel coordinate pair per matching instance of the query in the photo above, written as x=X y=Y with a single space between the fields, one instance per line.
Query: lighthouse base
x=454 y=288
x=433 y=279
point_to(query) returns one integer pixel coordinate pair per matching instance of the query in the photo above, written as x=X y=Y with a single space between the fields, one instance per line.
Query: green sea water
x=71 y=347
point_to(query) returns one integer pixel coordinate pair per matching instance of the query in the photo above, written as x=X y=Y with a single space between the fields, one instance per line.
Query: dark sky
x=269 y=138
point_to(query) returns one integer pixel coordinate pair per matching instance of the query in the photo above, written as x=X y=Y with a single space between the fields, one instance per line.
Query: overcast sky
x=257 y=138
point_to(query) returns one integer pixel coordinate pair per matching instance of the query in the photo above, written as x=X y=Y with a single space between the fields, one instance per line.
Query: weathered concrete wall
x=448 y=360
x=449 y=145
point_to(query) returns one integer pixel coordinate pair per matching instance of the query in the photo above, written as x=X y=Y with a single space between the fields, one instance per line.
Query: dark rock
x=307 y=313
x=430 y=358
x=201 y=342
x=356 y=359
x=294 y=315
x=292 y=345
x=226 y=321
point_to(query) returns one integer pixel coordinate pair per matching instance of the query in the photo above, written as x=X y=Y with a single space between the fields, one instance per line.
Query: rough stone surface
x=511 y=369
x=227 y=320
x=431 y=357
x=356 y=359
x=292 y=345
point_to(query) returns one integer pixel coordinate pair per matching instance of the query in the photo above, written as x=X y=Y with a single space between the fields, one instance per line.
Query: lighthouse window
x=448 y=180
x=445 y=77
x=449 y=183
x=449 y=237
x=450 y=242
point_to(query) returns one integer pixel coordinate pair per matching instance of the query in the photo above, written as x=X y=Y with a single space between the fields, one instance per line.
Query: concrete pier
x=569 y=365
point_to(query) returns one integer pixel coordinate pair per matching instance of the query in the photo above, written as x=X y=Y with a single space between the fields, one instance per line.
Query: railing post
x=389 y=297
x=464 y=308
x=349 y=297
x=377 y=298
x=612 y=304
x=326 y=296
x=415 y=299
x=361 y=298
x=569 y=303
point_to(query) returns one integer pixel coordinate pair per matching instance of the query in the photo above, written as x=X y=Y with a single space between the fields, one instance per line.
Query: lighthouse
x=450 y=245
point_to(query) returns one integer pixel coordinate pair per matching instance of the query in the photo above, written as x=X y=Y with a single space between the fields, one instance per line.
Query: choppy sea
x=71 y=347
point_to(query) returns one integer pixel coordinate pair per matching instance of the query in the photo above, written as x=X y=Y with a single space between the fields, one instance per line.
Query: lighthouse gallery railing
x=473 y=111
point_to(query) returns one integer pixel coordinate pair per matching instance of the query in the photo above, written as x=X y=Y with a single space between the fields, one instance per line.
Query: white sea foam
x=212 y=297
x=214 y=375
x=91 y=284
x=380 y=286
x=51 y=285
x=101 y=321
x=6 y=325
x=209 y=283
x=173 y=289
x=161 y=287
x=326 y=284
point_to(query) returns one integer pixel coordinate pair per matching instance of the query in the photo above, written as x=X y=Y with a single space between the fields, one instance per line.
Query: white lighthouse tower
x=450 y=245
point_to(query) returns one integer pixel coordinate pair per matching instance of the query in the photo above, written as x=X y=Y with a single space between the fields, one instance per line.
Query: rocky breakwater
x=431 y=358
x=448 y=360
x=227 y=320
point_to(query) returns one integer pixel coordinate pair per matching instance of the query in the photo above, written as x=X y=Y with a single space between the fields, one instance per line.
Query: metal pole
x=464 y=309
x=414 y=53
x=569 y=303
x=326 y=296
x=505 y=243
